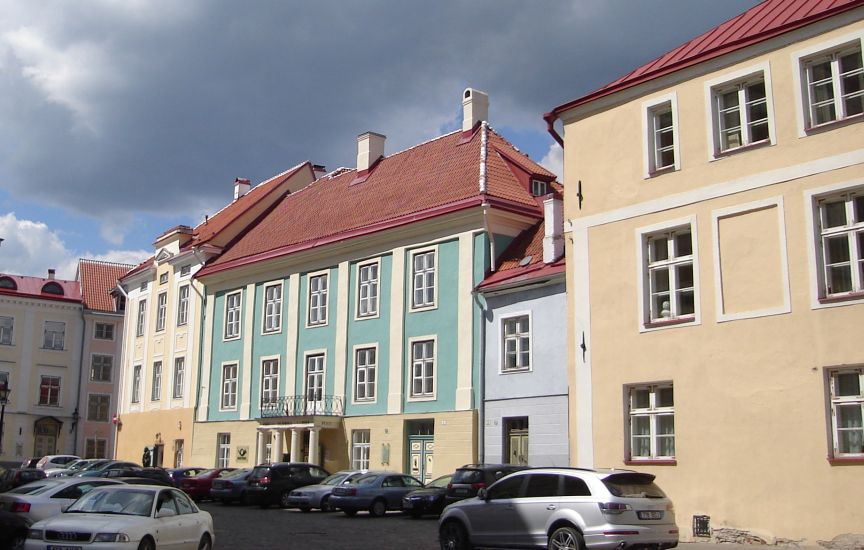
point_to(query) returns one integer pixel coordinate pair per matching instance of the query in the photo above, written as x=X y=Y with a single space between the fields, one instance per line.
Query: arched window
x=6 y=282
x=52 y=288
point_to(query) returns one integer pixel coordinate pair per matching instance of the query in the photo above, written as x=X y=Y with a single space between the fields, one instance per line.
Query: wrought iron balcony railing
x=302 y=405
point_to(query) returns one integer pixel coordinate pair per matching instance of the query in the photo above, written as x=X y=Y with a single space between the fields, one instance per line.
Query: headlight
x=111 y=537
x=34 y=534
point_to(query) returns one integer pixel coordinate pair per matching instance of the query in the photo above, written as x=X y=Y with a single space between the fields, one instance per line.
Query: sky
x=123 y=118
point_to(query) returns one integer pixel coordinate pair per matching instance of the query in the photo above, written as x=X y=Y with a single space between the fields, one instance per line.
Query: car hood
x=315 y=488
x=427 y=491
x=100 y=523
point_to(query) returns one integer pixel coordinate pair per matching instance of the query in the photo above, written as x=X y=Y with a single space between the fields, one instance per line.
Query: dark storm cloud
x=111 y=106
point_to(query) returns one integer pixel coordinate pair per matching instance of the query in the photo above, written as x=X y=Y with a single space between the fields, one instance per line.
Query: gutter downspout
x=75 y=413
x=124 y=351
x=202 y=260
x=550 y=119
x=481 y=410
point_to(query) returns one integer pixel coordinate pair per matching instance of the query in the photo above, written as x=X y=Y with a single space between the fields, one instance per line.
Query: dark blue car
x=232 y=487
x=376 y=492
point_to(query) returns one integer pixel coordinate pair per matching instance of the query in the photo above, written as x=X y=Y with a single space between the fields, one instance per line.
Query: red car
x=198 y=487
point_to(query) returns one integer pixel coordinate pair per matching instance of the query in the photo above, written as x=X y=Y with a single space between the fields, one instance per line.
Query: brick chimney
x=370 y=147
x=475 y=108
x=241 y=187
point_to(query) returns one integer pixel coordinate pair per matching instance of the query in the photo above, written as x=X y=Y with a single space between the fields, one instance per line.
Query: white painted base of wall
x=548 y=434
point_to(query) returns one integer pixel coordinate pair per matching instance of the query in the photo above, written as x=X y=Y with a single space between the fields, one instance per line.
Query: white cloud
x=31 y=248
x=553 y=161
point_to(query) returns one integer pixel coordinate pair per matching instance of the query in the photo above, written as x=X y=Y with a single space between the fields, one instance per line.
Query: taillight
x=21 y=507
x=349 y=491
x=264 y=480
x=613 y=507
x=449 y=486
x=478 y=486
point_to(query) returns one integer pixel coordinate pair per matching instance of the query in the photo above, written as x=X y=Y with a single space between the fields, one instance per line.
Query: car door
x=538 y=503
x=189 y=524
x=392 y=489
x=494 y=521
x=169 y=521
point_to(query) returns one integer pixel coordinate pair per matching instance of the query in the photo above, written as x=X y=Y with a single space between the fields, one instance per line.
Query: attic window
x=539 y=188
x=143 y=286
x=185 y=270
x=6 y=282
x=163 y=278
x=52 y=288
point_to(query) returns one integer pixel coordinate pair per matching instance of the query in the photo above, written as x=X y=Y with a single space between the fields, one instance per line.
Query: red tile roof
x=97 y=280
x=31 y=287
x=522 y=261
x=764 y=21
x=427 y=180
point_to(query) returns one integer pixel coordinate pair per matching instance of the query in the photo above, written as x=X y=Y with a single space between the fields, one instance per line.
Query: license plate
x=62 y=547
x=650 y=514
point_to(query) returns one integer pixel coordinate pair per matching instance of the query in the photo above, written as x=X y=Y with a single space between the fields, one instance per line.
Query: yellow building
x=716 y=273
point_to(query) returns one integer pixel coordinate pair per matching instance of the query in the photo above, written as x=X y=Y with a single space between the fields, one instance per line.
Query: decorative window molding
x=228 y=401
x=183 y=305
x=368 y=289
x=422 y=378
x=101 y=367
x=163 y=278
x=651 y=422
x=54 y=335
x=317 y=298
x=141 y=318
x=161 y=311
x=845 y=388
x=269 y=380
x=516 y=349
x=660 y=146
x=136 y=384
x=272 y=310
x=179 y=377
x=424 y=279
x=365 y=373
x=233 y=315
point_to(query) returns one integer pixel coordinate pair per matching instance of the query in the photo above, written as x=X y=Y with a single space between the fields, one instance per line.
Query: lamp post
x=4 y=399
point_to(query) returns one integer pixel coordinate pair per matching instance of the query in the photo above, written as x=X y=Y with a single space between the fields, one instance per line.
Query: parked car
x=132 y=480
x=178 y=474
x=318 y=496
x=13 y=531
x=15 y=477
x=563 y=508
x=470 y=478
x=429 y=499
x=44 y=498
x=198 y=487
x=98 y=469
x=70 y=468
x=140 y=517
x=273 y=483
x=376 y=492
x=56 y=461
x=31 y=462
x=156 y=474
x=232 y=487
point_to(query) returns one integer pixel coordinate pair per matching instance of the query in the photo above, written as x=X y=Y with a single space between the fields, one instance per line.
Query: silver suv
x=563 y=509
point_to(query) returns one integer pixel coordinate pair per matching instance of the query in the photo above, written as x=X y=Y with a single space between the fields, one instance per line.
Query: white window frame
x=141 y=317
x=228 y=386
x=361 y=444
x=425 y=304
x=519 y=337
x=800 y=59
x=269 y=380
x=539 y=188
x=93 y=357
x=271 y=320
x=161 y=311
x=315 y=297
x=136 y=384
x=183 y=294
x=7 y=332
x=361 y=374
x=819 y=298
x=54 y=336
x=233 y=315
x=185 y=270
x=96 y=331
x=713 y=89
x=653 y=412
x=373 y=304
x=156 y=382
x=163 y=278
x=423 y=395
x=223 y=450
x=178 y=378
x=646 y=324
x=107 y=416
x=649 y=145
x=317 y=353
x=845 y=401
x=58 y=403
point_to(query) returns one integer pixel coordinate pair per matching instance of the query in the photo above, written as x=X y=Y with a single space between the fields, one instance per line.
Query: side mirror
x=483 y=494
x=165 y=513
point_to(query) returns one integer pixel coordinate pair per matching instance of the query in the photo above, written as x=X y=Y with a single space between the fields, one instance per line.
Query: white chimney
x=370 y=147
x=51 y=273
x=475 y=108
x=553 y=239
x=241 y=187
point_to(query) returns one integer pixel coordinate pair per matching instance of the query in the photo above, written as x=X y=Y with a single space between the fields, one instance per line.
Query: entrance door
x=421 y=450
x=45 y=445
x=315 y=384
x=516 y=438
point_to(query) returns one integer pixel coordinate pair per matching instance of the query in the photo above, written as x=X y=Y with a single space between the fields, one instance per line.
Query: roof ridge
x=105 y=262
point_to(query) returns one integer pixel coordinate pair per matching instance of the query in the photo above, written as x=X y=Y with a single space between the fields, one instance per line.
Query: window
x=185 y=270
x=367 y=290
x=7 y=283
x=833 y=84
x=53 y=288
x=668 y=268
x=652 y=422
x=104 y=331
x=120 y=302
x=539 y=188
x=740 y=111
x=273 y=308
x=163 y=278
x=360 y=449
x=423 y=368
x=223 y=450
x=229 y=386
x=100 y=368
x=142 y=311
x=364 y=377
x=423 y=271
x=49 y=391
x=161 y=309
x=97 y=407
x=143 y=286
x=517 y=343
x=95 y=448
x=179 y=446
x=232 y=315
x=847 y=412
x=179 y=374
x=318 y=300
x=6 y=326
x=54 y=336
x=156 y=388
x=269 y=381
x=661 y=131
x=841 y=244
x=136 y=384
x=183 y=305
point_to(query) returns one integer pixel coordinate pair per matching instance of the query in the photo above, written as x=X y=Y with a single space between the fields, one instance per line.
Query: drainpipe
x=123 y=351
x=481 y=416
x=550 y=127
x=75 y=414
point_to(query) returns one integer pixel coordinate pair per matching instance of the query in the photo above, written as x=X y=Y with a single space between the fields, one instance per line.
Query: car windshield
x=334 y=479
x=77 y=465
x=441 y=482
x=132 y=502
x=468 y=476
x=633 y=486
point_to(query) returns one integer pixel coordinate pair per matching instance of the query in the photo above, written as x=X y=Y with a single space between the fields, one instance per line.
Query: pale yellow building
x=715 y=224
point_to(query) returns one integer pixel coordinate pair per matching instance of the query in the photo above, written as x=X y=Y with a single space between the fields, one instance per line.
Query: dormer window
x=52 y=288
x=6 y=282
x=539 y=188
x=163 y=278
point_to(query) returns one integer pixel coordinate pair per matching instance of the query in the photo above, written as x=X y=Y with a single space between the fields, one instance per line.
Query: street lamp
x=4 y=399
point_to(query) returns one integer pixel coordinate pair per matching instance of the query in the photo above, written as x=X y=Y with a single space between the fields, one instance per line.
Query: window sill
x=670 y=322
x=651 y=462
x=661 y=171
x=828 y=126
x=839 y=298
x=515 y=371
x=720 y=155
x=845 y=460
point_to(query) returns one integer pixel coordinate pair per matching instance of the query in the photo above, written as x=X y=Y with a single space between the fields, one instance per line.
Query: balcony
x=302 y=406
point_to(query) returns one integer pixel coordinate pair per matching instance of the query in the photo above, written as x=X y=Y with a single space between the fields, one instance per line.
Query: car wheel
x=325 y=504
x=349 y=511
x=147 y=544
x=284 y=499
x=206 y=543
x=305 y=509
x=453 y=536
x=18 y=541
x=566 y=538
x=378 y=508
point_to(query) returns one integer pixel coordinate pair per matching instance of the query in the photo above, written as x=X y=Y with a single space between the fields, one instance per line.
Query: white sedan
x=46 y=497
x=142 y=517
